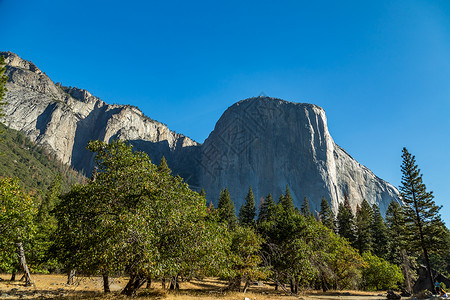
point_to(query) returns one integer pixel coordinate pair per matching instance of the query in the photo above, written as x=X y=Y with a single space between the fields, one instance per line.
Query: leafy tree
x=17 y=211
x=423 y=221
x=379 y=274
x=379 y=234
x=305 y=209
x=345 y=221
x=326 y=214
x=245 y=261
x=227 y=211
x=267 y=210
x=247 y=212
x=364 y=220
x=132 y=218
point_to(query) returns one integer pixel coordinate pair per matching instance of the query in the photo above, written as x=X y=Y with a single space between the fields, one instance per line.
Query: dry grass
x=55 y=287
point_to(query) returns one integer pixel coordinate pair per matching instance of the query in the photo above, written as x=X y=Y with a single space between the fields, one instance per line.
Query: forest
x=134 y=218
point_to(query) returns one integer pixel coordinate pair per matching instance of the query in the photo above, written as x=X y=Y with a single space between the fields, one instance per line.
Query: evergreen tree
x=379 y=234
x=364 y=220
x=163 y=167
x=202 y=193
x=305 y=209
x=268 y=210
x=247 y=212
x=326 y=214
x=227 y=211
x=423 y=221
x=286 y=202
x=345 y=221
x=395 y=222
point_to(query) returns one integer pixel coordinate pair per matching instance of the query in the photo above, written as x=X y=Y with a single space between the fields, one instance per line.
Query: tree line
x=135 y=218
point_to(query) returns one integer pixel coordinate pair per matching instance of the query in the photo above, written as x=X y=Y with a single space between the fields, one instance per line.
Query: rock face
x=65 y=119
x=270 y=143
x=263 y=142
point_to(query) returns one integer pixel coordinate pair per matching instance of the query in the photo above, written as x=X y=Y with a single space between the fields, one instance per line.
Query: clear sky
x=380 y=69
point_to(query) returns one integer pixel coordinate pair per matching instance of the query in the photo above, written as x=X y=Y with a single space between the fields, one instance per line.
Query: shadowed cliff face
x=270 y=143
x=263 y=142
x=66 y=119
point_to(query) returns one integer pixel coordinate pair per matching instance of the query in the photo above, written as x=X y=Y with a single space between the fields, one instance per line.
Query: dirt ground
x=55 y=287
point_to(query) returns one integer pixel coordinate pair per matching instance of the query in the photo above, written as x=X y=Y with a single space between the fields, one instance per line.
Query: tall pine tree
x=305 y=209
x=326 y=214
x=422 y=217
x=364 y=220
x=267 y=210
x=345 y=221
x=247 y=212
x=227 y=211
x=379 y=234
x=286 y=202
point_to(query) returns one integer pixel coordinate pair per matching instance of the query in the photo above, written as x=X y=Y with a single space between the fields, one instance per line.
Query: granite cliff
x=264 y=142
x=64 y=119
x=269 y=143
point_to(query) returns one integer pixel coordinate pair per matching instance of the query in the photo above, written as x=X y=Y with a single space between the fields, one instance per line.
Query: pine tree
x=364 y=220
x=163 y=167
x=345 y=221
x=286 y=202
x=227 y=211
x=379 y=234
x=423 y=221
x=202 y=193
x=305 y=209
x=247 y=212
x=267 y=210
x=395 y=222
x=326 y=214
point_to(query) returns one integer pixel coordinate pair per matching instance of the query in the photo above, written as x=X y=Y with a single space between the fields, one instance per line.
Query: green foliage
x=423 y=222
x=364 y=221
x=247 y=212
x=345 y=221
x=227 y=211
x=267 y=210
x=286 y=203
x=133 y=217
x=379 y=234
x=305 y=209
x=35 y=166
x=395 y=221
x=379 y=274
x=326 y=214
x=17 y=211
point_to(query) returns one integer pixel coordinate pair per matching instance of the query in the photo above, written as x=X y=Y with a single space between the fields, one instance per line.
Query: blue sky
x=380 y=69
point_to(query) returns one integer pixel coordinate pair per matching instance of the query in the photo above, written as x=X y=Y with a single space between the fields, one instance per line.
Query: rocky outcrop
x=64 y=119
x=261 y=142
x=269 y=143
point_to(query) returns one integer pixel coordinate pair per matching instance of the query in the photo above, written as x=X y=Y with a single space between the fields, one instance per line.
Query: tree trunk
x=235 y=284
x=406 y=270
x=174 y=284
x=246 y=285
x=149 y=283
x=23 y=263
x=13 y=275
x=135 y=282
x=70 y=277
x=163 y=283
x=106 y=288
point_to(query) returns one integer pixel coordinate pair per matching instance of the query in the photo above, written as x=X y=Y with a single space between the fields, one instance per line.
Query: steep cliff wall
x=263 y=142
x=270 y=143
x=65 y=119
